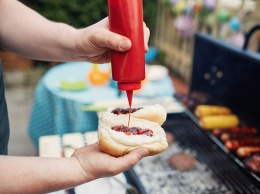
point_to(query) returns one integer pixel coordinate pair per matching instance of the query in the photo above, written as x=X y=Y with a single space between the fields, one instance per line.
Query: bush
x=78 y=13
x=81 y=13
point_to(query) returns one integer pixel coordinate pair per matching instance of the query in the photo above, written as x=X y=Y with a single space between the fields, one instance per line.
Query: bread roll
x=118 y=143
x=155 y=113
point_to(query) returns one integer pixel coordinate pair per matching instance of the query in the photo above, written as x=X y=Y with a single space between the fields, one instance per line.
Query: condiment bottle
x=97 y=77
x=128 y=68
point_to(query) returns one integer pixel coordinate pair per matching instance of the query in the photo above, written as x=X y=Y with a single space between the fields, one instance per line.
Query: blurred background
x=172 y=23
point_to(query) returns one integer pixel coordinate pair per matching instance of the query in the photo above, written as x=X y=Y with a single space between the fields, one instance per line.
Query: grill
x=215 y=171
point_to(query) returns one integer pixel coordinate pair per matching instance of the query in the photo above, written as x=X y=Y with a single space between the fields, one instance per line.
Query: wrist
x=68 y=43
x=81 y=174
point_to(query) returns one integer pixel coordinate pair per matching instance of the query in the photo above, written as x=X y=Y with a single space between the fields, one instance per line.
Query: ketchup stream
x=129 y=97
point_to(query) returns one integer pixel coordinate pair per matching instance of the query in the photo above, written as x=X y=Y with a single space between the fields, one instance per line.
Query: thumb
x=131 y=159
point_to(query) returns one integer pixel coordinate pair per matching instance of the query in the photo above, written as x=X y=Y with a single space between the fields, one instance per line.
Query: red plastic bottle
x=128 y=68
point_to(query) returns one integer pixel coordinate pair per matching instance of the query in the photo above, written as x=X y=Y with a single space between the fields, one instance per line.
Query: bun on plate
x=155 y=113
x=116 y=139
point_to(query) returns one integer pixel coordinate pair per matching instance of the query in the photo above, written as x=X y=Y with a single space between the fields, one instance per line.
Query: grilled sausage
x=248 y=151
x=232 y=145
x=234 y=135
x=247 y=130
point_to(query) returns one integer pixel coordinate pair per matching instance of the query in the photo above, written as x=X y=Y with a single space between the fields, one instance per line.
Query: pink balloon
x=174 y=2
x=210 y=4
x=184 y=24
x=237 y=39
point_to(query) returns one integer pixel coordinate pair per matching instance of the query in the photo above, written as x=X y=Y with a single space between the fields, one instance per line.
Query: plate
x=156 y=72
x=102 y=185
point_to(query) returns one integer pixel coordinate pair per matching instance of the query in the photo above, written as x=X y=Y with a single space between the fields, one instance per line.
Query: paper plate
x=156 y=72
x=102 y=185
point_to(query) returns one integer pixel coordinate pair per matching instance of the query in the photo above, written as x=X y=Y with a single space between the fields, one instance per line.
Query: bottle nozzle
x=129 y=86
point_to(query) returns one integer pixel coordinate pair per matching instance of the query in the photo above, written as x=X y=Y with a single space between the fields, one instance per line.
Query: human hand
x=97 y=164
x=93 y=44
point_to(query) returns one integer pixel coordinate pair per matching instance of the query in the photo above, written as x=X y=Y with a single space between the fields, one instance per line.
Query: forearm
x=27 y=33
x=39 y=175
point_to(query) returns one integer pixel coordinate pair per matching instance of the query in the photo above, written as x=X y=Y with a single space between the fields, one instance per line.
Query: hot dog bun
x=155 y=113
x=118 y=143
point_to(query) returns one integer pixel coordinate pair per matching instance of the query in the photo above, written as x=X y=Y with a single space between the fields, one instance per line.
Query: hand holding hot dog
x=96 y=164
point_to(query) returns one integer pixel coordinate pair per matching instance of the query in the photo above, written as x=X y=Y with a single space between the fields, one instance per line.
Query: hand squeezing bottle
x=128 y=68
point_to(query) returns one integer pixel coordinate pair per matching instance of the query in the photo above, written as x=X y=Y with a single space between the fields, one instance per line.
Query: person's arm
x=27 y=33
x=39 y=175
x=42 y=175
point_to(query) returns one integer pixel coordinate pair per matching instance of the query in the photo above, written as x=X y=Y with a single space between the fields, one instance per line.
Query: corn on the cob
x=205 y=110
x=219 y=121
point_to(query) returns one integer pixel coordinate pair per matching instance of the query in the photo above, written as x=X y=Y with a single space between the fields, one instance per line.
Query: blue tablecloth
x=56 y=111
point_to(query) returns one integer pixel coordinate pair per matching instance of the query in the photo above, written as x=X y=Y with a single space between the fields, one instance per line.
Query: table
x=56 y=111
x=54 y=145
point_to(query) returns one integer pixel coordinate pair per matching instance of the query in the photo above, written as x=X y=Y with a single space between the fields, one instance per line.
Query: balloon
x=210 y=19
x=184 y=24
x=187 y=10
x=234 y=24
x=173 y=2
x=237 y=39
x=210 y=4
x=223 y=15
x=197 y=7
x=179 y=7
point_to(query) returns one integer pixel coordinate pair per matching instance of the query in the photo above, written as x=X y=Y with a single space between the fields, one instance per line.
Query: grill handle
x=249 y=34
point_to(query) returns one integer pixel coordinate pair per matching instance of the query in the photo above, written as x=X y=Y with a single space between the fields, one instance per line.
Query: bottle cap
x=128 y=86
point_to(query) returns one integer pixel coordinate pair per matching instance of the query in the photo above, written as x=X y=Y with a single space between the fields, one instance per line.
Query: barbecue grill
x=215 y=171
x=233 y=79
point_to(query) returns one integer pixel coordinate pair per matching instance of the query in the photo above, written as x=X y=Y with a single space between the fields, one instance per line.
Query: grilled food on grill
x=206 y=110
x=230 y=136
x=248 y=151
x=241 y=129
x=169 y=137
x=254 y=163
x=182 y=161
x=234 y=144
x=218 y=121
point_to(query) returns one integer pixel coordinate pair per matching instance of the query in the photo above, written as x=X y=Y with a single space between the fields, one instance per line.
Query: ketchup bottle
x=128 y=68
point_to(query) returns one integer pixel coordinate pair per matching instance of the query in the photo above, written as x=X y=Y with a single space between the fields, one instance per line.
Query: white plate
x=156 y=72
x=100 y=186
x=103 y=185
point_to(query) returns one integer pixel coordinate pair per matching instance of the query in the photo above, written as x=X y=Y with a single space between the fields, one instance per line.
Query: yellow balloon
x=179 y=7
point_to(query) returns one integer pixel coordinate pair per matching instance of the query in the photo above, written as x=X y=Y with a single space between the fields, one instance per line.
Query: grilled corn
x=206 y=110
x=218 y=121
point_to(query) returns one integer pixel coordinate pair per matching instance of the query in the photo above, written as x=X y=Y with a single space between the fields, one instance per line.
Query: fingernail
x=124 y=45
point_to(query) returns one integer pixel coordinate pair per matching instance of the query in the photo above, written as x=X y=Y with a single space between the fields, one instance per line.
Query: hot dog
x=254 y=163
x=243 y=129
x=155 y=113
x=232 y=145
x=248 y=151
x=234 y=135
x=117 y=139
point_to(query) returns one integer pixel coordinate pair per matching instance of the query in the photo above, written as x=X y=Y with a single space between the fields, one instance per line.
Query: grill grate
x=215 y=171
